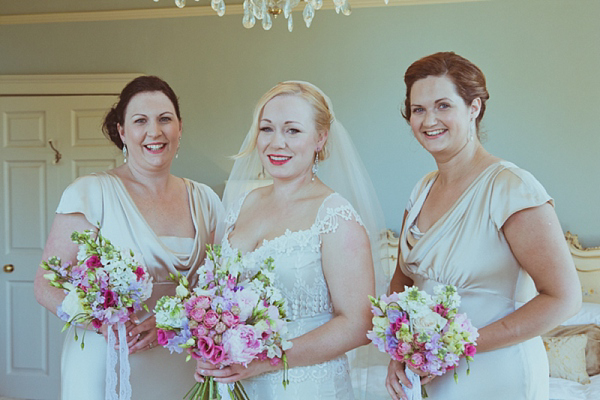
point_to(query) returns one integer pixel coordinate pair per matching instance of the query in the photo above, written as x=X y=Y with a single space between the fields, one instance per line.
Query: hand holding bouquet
x=106 y=286
x=225 y=320
x=422 y=331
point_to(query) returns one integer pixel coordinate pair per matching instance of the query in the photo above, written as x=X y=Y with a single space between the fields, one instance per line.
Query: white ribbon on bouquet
x=415 y=381
x=111 y=364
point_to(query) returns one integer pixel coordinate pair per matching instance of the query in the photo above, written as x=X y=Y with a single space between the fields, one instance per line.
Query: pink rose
x=139 y=273
x=211 y=318
x=218 y=355
x=230 y=319
x=164 y=336
x=206 y=347
x=417 y=360
x=470 y=350
x=403 y=349
x=197 y=314
x=93 y=262
x=203 y=302
x=96 y=323
x=200 y=330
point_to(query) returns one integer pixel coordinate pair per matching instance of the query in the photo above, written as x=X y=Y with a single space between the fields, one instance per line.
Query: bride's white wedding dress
x=299 y=275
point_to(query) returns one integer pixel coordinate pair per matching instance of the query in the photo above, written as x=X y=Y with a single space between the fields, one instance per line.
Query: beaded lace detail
x=300 y=277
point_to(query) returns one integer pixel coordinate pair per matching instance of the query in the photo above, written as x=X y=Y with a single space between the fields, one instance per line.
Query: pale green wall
x=541 y=59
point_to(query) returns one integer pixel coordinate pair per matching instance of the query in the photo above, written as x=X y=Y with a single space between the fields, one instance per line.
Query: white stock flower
x=82 y=253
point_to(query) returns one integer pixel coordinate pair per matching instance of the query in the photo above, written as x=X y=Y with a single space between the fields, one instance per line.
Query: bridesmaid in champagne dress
x=165 y=220
x=481 y=224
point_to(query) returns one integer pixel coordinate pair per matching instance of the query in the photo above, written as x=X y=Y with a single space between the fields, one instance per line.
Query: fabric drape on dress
x=103 y=200
x=467 y=248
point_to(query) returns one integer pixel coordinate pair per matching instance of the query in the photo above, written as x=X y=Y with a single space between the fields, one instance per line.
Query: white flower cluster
x=172 y=312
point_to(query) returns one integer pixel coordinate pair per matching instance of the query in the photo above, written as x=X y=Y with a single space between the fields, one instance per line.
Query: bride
x=320 y=243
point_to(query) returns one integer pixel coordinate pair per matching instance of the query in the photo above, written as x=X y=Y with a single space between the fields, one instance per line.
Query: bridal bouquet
x=225 y=320
x=105 y=286
x=423 y=331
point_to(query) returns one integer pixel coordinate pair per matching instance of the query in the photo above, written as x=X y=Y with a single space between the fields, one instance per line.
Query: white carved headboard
x=587 y=263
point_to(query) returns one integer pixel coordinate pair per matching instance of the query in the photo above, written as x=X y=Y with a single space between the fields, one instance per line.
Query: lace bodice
x=297 y=256
x=299 y=275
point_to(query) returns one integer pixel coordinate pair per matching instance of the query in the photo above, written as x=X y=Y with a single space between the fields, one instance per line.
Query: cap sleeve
x=333 y=210
x=83 y=196
x=513 y=190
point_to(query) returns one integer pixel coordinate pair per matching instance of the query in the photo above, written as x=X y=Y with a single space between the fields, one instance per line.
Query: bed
x=573 y=349
x=585 y=323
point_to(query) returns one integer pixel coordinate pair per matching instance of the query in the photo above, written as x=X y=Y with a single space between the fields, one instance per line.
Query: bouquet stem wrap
x=415 y=381
x=111 y=364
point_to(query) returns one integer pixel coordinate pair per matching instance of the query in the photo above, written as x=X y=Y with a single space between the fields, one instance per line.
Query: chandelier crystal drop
x=266 y=10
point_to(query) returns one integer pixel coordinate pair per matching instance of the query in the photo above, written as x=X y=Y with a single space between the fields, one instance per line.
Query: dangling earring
x=178 y=144
x=315 y=166
x=124 y=153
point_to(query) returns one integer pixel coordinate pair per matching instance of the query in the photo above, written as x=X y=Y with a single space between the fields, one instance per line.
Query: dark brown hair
x=116 y=115
x=466 y=76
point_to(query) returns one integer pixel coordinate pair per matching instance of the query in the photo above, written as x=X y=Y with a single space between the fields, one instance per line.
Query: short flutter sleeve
x=513 y=190
x=83 y=196
x=334 y=210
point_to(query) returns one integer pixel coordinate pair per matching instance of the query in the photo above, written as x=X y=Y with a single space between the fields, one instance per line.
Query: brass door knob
x=8 y=268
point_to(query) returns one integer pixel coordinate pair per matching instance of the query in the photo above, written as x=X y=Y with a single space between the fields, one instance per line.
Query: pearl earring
x=124 y=153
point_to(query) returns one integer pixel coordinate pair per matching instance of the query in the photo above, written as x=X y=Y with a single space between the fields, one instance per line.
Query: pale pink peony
x=241 y=344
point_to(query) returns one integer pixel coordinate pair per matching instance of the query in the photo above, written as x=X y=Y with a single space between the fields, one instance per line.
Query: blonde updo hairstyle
x=323 y=115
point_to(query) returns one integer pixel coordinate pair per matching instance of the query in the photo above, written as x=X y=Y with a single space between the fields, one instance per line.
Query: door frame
x=40 y=86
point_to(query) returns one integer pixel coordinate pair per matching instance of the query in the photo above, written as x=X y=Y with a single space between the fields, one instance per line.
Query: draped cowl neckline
x=183 y=259
x=452 y=215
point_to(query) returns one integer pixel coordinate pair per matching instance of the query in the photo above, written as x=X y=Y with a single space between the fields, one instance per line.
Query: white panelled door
x=33 y=176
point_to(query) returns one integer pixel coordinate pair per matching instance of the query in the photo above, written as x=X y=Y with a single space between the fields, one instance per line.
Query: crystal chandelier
x=266 y=10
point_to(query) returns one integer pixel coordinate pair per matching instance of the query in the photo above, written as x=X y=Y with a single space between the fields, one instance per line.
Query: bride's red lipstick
x=277 y=159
